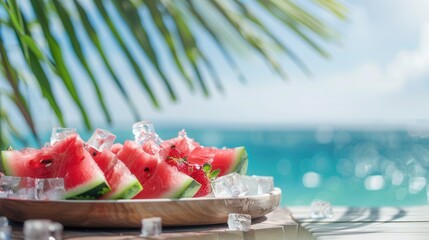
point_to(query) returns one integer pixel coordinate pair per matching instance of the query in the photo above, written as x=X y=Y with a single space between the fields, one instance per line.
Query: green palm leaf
x=97 y=43
x=126 y=51
x=158 y=18
x=17 y=98
x=57 y=55
x=70 y=31
x=175 y=26
x=131 y=16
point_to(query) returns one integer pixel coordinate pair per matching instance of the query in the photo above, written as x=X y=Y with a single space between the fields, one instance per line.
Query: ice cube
x=42 y=229
x=238 y=221
x=320 y=209
x=101 y=139
x=56 y=231
x=4 y=221
x=258 y=184
x=5 y=232
x=5 y=229
x=144 y=131
x=37 y=229
x=59 y=133
x=5 y=187
x=17 y=187
x=230 y=185
x=151 y=227
x=49 y=189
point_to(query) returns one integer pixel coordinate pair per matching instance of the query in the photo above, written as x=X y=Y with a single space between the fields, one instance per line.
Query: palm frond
x=158 y=18
x=132 y=17
x=90 y=30
x=137 y=69
x=72 y=36
x=17 y=98
x=57 y=54
x=140 y=30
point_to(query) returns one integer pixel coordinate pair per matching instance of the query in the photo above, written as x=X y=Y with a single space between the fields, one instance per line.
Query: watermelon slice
x=66 y=159
x=159 y=180
x=123 y=184
x=185 y=150
x=182 y=143
x=227 y=160
x=230 y=160
x=116 y=148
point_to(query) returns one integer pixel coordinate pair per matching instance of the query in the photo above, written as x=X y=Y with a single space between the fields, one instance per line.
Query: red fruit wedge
x=201 y=177
x=116 y=148
x=182 y=143
x=204 y=176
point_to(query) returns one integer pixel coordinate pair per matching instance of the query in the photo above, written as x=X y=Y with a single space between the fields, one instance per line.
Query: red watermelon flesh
x=116 y=148
x=140 y=163
x=123 y=184
x=182 y=143
x=182 y=148
x=151 y=147
x=201 y=155
x=159 y=180
x=66 y=159
x=227 y=160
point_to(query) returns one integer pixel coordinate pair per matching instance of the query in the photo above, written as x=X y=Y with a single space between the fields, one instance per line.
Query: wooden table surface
x=293 y=223
x=410 y=223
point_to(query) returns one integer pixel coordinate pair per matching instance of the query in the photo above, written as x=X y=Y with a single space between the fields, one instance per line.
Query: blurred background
x=327 y=96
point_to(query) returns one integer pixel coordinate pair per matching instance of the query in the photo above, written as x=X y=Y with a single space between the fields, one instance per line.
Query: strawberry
x=174 y=152
x=180 y=161
x=201 y=177
x=175 y=159
x=204 y=176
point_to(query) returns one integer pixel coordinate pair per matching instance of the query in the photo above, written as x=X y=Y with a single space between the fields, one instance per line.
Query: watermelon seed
x=46 y=162
x=94 y=153
x=146 y=169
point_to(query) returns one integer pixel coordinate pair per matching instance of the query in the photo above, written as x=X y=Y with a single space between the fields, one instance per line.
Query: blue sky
x=378 y=73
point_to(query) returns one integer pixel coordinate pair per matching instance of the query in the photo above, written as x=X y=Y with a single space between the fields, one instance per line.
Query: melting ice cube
x=230 y=185
x=101 y=139
x=4 y=221
x=49 y=189
x=17 y=187
x=238 y=221
x=42 y=229
x=56 y=231
x=151 y=227
x=258 y=184
x=5 y=232
x=36 y=229
x=59 y=133
x=320 y=209
x=144 y=131
x=5 y=229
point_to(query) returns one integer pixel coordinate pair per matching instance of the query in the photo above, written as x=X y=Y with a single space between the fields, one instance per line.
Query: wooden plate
x=128 y=213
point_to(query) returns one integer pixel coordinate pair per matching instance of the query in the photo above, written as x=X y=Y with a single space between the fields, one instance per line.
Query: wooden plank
x=365 y=227
x=282 y=217
x=365 y=223
x=375 y=236
x=365 y=214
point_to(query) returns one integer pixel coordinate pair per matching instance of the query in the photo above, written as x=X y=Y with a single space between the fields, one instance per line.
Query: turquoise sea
x=368 y=167
x=345 y=166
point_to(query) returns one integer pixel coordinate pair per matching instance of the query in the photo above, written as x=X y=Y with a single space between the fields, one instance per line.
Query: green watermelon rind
x=191 y=190
x=126 y=193
x=4 y=167
x=187 y=189
x=88 y=191
x=240 y=161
